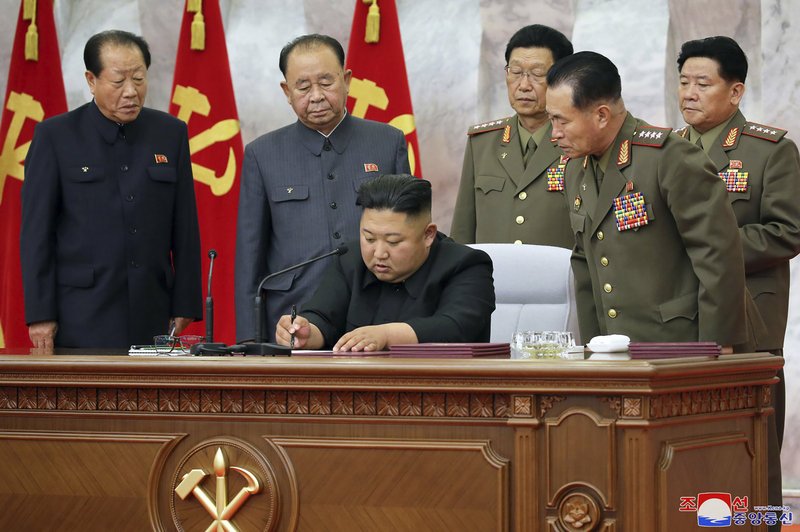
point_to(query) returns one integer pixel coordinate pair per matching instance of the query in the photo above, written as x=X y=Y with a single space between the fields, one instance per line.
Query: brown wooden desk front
x=376 y=444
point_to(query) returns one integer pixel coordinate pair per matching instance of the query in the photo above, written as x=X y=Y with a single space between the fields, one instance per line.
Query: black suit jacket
x=110 y=244
x=450 y=298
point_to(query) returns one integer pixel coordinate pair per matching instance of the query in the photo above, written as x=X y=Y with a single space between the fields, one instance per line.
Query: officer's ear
x=602 y=115
x=737 y=93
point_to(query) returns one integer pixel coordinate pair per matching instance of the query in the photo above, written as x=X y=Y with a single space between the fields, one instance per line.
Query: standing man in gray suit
x=512 y=181
x=299 y=182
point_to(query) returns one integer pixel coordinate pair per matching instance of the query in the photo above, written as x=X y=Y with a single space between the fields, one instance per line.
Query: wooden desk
x=376 y=444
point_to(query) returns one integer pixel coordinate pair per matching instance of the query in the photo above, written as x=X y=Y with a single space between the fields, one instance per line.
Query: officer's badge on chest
x=555 y=175
x=630 y=211
x=735 y=179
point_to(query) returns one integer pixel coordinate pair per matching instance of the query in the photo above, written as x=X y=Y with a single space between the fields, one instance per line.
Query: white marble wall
x=454 y=56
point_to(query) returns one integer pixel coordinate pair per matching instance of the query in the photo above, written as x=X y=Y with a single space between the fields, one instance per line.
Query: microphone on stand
x=209 y=347
x=212 y=254
x=258 y=347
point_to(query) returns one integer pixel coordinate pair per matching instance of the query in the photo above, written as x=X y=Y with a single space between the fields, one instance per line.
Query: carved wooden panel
x=419 y=485
x=702 y=401
x=581 y=448
x=78 y=481
x=729 y=455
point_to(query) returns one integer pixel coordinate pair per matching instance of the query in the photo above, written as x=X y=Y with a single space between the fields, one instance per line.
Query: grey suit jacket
x=298 y=201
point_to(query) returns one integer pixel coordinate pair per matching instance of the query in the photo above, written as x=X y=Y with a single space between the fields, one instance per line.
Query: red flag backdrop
x=202 y=96
x=379 y=88
x=35 y=91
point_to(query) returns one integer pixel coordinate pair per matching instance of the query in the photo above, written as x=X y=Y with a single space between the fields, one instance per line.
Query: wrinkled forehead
x=121 y=57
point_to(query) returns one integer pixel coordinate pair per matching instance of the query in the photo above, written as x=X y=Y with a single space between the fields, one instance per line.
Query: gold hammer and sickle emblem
x=23 y=106
x=367 y=93
x=190 y=100
x=219 y=508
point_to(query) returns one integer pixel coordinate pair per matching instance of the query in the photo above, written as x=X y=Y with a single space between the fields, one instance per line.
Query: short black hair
x=95 y=44
x=592 y=76
x=540 y=36
x=725 y=51
x=396 y=192
x=309 y=41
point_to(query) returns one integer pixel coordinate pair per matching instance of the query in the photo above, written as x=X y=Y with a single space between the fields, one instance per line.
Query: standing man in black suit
x=110 y=245
x=299 y=182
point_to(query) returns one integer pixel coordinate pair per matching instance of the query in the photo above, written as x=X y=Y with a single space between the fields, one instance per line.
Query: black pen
x=294 y=315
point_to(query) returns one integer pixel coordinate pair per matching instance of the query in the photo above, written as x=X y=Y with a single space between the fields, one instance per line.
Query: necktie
x=598 y=173
x=531 y=147
x=699 y=142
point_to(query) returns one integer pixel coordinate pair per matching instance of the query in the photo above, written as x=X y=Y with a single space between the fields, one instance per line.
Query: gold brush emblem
x=220 y=509
x=730 y=140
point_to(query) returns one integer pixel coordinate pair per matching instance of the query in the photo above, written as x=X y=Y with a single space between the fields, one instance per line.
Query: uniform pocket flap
x=85 y=174
x=77 y=275
x=680 y=307
x=761 y=285
x=487 y=183
x=734 y=196
x=290 y=193
x=578 y=222
x=281 y=283
x=164 y=174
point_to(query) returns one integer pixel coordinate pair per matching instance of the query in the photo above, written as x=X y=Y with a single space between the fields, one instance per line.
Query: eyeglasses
x=515 y=74
x=166 y=343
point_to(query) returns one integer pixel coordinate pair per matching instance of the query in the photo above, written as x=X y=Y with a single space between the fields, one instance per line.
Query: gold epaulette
x=494 y=125
x=761 y=131
x=650 y=136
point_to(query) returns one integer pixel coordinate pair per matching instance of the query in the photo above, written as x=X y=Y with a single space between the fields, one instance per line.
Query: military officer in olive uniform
x=512 y=182
x=759 y=165
x=657 y=254
x=761 y=171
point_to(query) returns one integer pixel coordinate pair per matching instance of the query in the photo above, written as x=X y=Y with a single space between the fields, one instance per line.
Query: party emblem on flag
x=370 y=167
x=160 y=159
x=208 y=106
x=34 y=92
x=376 y=92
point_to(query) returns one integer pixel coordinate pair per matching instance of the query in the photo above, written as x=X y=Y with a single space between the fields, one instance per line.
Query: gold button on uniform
x=518 y=241
x=523 y=195
x=612 y=313
x=607 y=288
x=604 y=261
x=600 y=235
x=520 y=220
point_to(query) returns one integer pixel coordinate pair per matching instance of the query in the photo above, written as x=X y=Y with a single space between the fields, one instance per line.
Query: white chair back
x=534 y=290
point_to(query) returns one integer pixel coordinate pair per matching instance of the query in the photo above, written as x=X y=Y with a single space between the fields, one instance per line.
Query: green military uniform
x=762 y=172
x=501 y=199
x=761 y=169
x=657 y=254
